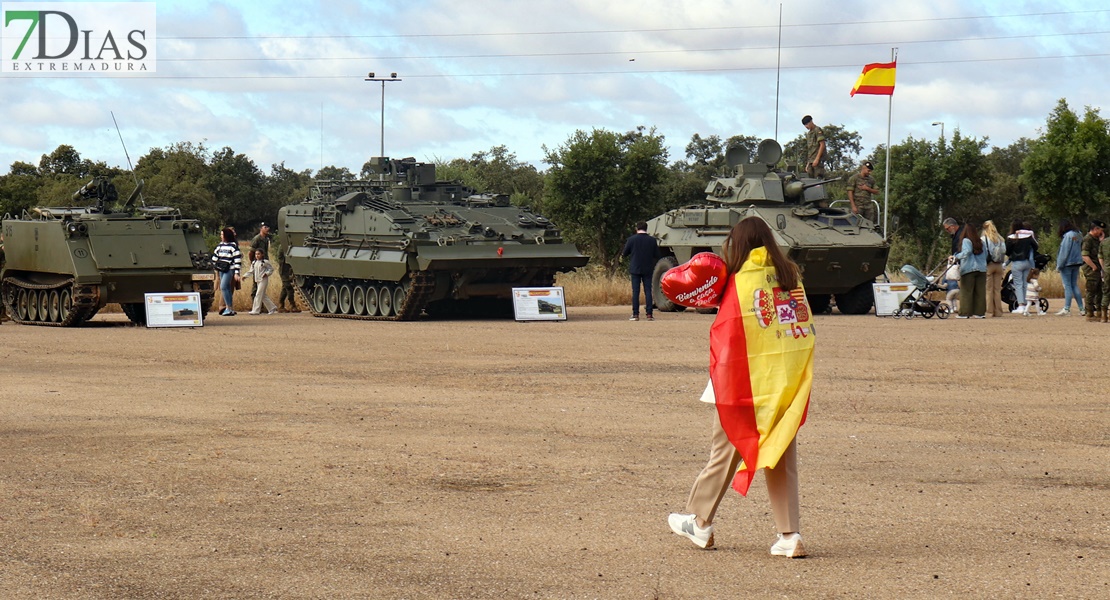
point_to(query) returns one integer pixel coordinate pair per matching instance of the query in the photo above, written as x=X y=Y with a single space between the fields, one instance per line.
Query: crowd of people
x=981 y=260
x=227 y=259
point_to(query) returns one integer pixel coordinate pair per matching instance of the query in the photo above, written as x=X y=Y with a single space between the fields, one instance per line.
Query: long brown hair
x=749 y=234
x=976 y=241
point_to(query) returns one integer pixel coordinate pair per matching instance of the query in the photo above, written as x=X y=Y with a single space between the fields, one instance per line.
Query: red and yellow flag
x=761 y=365
x=877 y=78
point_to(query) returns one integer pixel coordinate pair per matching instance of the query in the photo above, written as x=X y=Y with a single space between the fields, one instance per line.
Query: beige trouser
x=994 y=290
x=714 y=480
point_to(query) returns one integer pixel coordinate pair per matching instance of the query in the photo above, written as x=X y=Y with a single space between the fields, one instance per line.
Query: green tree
x=496 y=171
x=335 y=173
x=1067 y=170
x=705 y=159
x=236 y=184
x=931 y=181
x=175 y=177
x=19 y=188
x=842 y=149
x=600 y=183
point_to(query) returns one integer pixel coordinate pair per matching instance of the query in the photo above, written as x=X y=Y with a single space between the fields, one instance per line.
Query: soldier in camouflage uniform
x=285 y=270
x=1092 y=269
x=860 y=187
x=815 y=148
x=1104 y=261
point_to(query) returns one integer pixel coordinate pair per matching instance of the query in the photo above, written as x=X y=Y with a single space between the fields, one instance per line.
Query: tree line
x=597 y=184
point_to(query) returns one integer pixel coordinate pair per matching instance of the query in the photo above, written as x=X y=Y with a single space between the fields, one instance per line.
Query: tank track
x=420 y=287
x=82 y=303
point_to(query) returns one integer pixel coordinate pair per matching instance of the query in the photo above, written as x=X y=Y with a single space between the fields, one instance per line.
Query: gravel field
x=292 y=457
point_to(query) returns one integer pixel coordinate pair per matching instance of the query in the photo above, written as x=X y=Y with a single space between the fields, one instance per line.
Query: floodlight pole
x=392 y=77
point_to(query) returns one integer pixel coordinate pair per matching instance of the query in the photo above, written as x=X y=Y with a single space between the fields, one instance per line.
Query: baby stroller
x=918 y=302
x=1009 y=295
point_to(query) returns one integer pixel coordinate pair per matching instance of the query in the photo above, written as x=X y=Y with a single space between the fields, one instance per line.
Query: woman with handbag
x=1021 y=245
x=996 y=255
x=228 y=261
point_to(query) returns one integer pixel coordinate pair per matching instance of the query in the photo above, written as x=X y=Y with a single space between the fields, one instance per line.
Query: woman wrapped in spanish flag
x=761 y=373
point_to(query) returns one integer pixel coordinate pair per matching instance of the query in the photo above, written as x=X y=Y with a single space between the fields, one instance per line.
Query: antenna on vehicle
x=138 y=186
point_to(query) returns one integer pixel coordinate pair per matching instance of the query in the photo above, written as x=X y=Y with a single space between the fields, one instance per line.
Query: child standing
x=260 y=270
x=1033 y=293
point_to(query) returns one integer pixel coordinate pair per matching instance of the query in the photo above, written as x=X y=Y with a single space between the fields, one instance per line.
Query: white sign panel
x=539 y=304
x=889 y=296
x=173 y=310
x=78 y=38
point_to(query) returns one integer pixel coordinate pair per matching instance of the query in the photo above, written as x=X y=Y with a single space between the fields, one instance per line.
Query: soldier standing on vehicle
x=1092 y=270
x=260 y=242
x=860 y=187
x=815 y=148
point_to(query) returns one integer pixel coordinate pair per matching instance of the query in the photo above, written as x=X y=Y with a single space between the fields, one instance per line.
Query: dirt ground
x=298 y=457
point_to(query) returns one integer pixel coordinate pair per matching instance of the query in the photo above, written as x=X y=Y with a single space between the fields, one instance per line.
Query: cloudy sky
x=285 y=81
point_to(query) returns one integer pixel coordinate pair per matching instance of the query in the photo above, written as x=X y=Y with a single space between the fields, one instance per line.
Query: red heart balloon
x=698 y=284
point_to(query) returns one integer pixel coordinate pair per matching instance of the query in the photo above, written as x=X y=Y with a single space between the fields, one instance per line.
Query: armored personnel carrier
x=393 y=247
x=840 y=253
x=65 y=263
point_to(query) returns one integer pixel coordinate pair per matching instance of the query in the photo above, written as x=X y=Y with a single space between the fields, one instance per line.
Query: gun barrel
x=822 y=182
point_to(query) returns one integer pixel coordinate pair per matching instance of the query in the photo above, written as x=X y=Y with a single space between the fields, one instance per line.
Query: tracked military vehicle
x=840 y=253
x=400 y=245
x=65 y=263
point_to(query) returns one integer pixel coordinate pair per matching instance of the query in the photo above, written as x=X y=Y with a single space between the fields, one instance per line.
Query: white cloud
x=535 y=72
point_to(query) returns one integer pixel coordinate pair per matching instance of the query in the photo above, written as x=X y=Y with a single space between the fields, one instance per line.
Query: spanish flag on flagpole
x=761 y=365
x=877 y=79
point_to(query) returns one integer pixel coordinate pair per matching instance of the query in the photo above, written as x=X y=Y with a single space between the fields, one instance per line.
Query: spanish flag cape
x=761 y=365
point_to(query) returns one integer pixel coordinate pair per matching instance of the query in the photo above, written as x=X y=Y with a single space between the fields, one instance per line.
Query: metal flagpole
x=886 y=182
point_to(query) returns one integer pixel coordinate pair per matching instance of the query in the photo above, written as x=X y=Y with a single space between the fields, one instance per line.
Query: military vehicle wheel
x=857 y=301
x=345 y=299
x=44 y=305
x=333 y=299
x=358 y=300
x=372 y=301
x=55 y=307
x=65 y=304
x=385 y=300
x=819 y=303
x=318 y=300
x=662 y=302
x=32 y=305
x=399 y=298
x=22 y=298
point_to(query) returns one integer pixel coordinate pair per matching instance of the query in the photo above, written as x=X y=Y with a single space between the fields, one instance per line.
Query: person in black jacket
x=644 y=252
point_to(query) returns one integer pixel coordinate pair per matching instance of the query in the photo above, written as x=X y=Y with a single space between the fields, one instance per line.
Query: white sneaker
x=1064 y=312
x=789 y=545
x=1082 y=312
x=687 y=526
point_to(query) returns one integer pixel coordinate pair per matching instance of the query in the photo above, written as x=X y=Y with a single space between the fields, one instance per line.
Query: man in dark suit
x=644 y=252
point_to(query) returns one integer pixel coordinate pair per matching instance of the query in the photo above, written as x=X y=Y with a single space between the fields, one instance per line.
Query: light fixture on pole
x=935 y=123
x=392 y=77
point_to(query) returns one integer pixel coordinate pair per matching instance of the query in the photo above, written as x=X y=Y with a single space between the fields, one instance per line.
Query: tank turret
x=840 y=253
x=402 y=243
